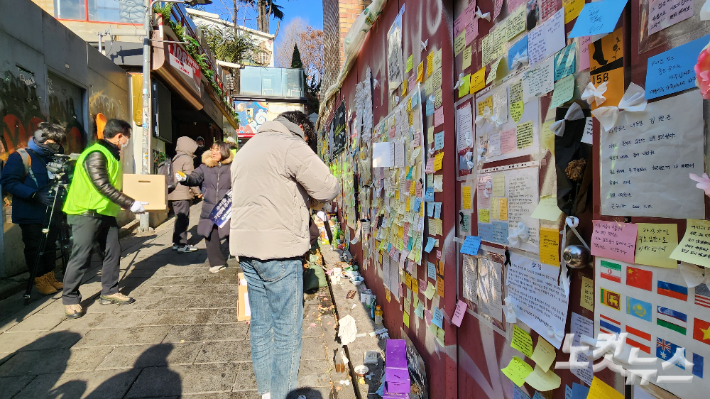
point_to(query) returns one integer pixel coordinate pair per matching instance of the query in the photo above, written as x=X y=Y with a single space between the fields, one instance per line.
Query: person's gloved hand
x=137 y=207
x=42 y=197
x=179 y=176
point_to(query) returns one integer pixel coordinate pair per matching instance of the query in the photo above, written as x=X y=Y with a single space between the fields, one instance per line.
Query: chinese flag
x=701 y=331
x=639 y=278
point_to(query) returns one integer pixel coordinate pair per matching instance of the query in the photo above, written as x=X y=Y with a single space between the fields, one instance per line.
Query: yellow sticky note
x=502 y=209
x=498 y=185
x=494 y=212
x=435 y=227
x=587 y=298
x=440 y=335
x=572 y=9
x=524 y=135
x=516 y=110
x=544 y=381
x=544 y=354
x=549 y=246
x=405 y=318
x=465 y=86
x=547 y=209
x=522 y=341
x=437 y=97
x=430 y=291
x=654 y=244
x=438 y=161
x=410 y=63
x=430 y=134
x=548 y=136
x=404 y=92
x=695 y=244
x=420 y=72
x=466 y=61
x=516 y=22
x=429 y=64
x=412 y=188
x=466 y=197
x=388 y=296
x=440 y=286
x=493 y=72
x=478 y=80
x=600 y=390
x=484 y=216
x=415 y=289
x=460 y=42
x=488 y=102
x=517 y=370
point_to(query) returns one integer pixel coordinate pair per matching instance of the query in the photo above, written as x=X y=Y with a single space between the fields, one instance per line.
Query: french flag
x=607 y=325
x=672 y=290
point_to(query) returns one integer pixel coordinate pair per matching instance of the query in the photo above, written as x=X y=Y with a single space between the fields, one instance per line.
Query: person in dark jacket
x=30 y=199
x=215 y=178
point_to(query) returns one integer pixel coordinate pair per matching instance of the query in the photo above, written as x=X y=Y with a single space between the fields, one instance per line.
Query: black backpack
x=166 y=168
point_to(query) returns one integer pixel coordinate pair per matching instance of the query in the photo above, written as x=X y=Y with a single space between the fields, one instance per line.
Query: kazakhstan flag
x=640 y=309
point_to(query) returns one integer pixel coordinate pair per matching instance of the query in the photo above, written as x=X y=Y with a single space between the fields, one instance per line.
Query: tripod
x=57 y=193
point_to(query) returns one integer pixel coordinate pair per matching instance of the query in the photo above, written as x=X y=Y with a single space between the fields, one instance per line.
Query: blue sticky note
x=410 y=244
x=437 y=210
x=565 y=61
x=597 y=18
x=430 y=210
x=429 y=196
x=431 y=270
x=417 y=204
x=485 y=231
x=438 y=141
x=500 y=232
x=519 y=47
x=429 y=244
x=430 y=105
x=438 y=318
x=518 y=393
x=415 y=101
x=470 y=245
x=579 y=391
x=568 y=392
x=409 y=173
x=673 y=70
x=538 y=395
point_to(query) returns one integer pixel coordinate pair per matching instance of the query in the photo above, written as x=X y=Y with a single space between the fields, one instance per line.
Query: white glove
x=180 y=177
x=137 y=207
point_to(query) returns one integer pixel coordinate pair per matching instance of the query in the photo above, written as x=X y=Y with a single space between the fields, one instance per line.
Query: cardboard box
x=147 y=188
x=243 y=309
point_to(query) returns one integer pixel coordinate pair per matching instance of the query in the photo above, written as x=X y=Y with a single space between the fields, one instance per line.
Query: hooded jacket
x=215 y=178
x=182 y=162
x=273 y=176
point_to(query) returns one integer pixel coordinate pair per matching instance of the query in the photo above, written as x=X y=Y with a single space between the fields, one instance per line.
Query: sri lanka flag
x=671 y=319
x=611 y=271
x=672 y=290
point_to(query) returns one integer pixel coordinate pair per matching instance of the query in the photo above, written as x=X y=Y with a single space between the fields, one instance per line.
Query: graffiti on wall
x=20 y=111
x=253 y=114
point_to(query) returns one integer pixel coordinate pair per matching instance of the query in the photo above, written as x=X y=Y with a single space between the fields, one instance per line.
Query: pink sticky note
x=422 y=286
x=428 y=316
x=418 y=188
x=429 y=166
x=497 y=7
x=614 y=240
x=458 y=313
x=584 y=52
x=461 y=22
x=439 y=116
x=438 y=254
x=484 y=201
x=412 y=81
x=508 y=141
x=392 y=132
x=472 y=30
x=513 y=4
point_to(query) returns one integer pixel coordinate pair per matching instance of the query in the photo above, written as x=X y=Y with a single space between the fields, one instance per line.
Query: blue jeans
x=276 y=301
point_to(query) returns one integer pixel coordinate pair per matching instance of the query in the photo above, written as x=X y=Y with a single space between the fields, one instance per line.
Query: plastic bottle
x=378 y=316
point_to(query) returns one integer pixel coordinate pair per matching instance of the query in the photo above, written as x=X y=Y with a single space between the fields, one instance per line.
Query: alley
x=180 y=338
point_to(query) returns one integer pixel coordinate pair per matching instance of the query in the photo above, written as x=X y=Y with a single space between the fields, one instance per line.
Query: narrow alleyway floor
x=180 y=339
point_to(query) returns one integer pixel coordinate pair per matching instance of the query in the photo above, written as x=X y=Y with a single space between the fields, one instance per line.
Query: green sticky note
x=410 y=63
x=522 y=341
x=517 y=371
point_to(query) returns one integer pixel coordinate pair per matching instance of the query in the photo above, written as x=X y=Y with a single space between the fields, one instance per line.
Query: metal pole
x=145 y=169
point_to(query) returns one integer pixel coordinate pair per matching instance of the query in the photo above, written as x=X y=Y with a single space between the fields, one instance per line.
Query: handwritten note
x=438 y=318
x=655 y=243
x=507 y=141
x=524 y=135
x=493 y=73
x=516 y=23
x=502 y=213
x=431 y=270
x=539 y=81
x=484 y=215
x=410 y=63
x=482 y=104
x=459 y=313
x=522 y=341
x=572 y=9
x=438 y=141
x=665 y=13
x=543 y=380
x=544 y=354
x=471 y=245
x=564 y=90
x=547 y=38
x=438 y=161
x=586 y=300
x=597 y=18
x=478 y=80
x=466 y=60
x=517 y=370
x=430 y=291
x=439 y=117
x=466 y=197
x=584 y=52
x=614 y=240
x=600 y=390
x=435 y=227
x=549 y=246
x=498 y=185
x=565 y=63
x=673 y=71
x=695 y=245
x=547 y=209
x=420 y=72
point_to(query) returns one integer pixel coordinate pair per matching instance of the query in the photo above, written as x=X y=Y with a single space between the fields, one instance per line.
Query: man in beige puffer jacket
x=181 y=197
x=274 y=177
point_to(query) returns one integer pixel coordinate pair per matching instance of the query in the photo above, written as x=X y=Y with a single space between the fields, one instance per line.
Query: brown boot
x=53 y=280
x=44 y=286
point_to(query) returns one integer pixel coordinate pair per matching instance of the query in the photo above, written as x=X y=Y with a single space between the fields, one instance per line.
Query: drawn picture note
x=565 y=61
x=648 y=155
x=673 y=71
x=665 y=13
x=547 y=38
x=655 y=243
x=614 y=240
x=597 y=18
x=539 y=81
x=695 y=246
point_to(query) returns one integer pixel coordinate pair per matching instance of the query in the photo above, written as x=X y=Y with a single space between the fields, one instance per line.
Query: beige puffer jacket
x=273 y=177
x=182 y=162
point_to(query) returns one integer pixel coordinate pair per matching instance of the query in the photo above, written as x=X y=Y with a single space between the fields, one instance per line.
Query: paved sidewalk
x=180 y=339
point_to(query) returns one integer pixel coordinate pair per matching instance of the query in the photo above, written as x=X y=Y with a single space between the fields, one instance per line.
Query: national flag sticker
x=698 y=365
x=702 y=296
x=701 y=331
x=639 y=339
x=639 y=278
x=666 y=349
x=637 y=308
x=672 y=290
x=611 y=271
x=610 y=299
x=607 y=325
x=672 y=319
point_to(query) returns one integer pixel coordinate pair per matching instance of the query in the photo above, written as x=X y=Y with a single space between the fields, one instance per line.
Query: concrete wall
x=49 y=73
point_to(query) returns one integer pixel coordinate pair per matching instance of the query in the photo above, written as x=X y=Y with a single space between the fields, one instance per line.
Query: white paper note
x=539 y=81
x=547 y=39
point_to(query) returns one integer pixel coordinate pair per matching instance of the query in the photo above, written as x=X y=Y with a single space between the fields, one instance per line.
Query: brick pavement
x=180 y=339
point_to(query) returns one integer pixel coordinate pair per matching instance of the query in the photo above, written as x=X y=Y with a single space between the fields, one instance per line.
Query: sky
x=309 y=10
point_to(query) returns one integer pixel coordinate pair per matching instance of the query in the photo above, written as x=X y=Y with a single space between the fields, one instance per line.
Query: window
x=122 y=11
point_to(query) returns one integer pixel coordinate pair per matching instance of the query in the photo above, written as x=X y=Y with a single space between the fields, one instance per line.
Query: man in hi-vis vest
x=93 y=201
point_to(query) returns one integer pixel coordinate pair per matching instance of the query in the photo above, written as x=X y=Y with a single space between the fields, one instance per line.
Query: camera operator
x=93 y=201
x=25 y=176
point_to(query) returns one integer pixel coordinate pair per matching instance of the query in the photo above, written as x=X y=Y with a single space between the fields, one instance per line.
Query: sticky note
x=429 y=64
x=544 y=354
x=498 y=185
x=597 y=18
x=673 y=71
x=502 y=209
x=478 y=80
x=415 y=286
x=565 y=61
x=438 y=141
x=522 y=341
x=429 y=244
x=484 y=215
x=466 y=60
x=547 y=209
x=439 y=116
x=438 y=160
x=388 y=296
x=665 y=13
x=655 y=243
x=517 y=370
x=405 y=318
x=466 y=197
x=459 y=313
x=419 y=311
x=586 y=300
x=465 y=88
x=430 y=291
x=517 y=23
x=410 y=63
x=420 y=72
x=493 y=73
x=572 y=9
x=564 y=91
x=440 y=286
x=600 y=390
x=614 y=240
x=549 y=246
x=471 y=245
x=695 y=245
x=524 y=135
x=579 y=391
x=459 y=43
x=431 y=270
x=543 y=381
x=440 y=336
x=438 y=318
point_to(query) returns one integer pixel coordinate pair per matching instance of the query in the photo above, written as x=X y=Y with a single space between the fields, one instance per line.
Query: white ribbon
x=592 y=93
x=555 y=334
x=573 y=113
x=487 y=116
x=459 y=82
x=486 y=16
x=488 y=190
x=481 y=151
x=703 y=182
x=519 y=235
x=705 y=11
x=634 y=100
x=694 y=275
x=520 y=59
x=509 y=310
x=425 y=43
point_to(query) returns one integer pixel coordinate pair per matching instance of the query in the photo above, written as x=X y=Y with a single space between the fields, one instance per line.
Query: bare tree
x=266 y=10
x=310 y=45
x=288 y=39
